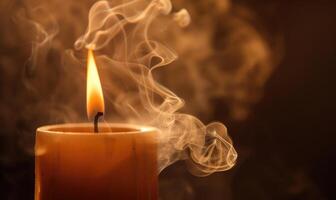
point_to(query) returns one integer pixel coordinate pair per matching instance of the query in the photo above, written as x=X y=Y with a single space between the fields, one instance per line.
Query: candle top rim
x=87 y=129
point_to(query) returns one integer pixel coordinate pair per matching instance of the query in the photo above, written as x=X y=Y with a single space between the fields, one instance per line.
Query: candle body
x=103 y=166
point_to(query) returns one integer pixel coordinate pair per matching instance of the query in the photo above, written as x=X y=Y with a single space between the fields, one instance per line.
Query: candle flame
x=94 y=92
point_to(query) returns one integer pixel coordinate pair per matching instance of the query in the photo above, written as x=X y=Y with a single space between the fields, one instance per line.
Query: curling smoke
x=125 y=36
x=129 y=57
x=223 y=55
x=228 y=59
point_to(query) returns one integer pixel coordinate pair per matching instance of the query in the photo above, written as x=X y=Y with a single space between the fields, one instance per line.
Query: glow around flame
x=94 y=92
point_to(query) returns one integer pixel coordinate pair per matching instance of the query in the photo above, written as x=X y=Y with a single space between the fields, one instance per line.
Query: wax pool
x=73 y=163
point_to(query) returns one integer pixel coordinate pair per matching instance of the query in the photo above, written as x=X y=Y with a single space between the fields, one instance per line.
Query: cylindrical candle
x=73 y=163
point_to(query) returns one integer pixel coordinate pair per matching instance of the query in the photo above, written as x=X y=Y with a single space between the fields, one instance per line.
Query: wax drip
x=95 y=122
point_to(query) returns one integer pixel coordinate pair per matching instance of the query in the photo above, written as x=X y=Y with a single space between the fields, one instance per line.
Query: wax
x=73 y=163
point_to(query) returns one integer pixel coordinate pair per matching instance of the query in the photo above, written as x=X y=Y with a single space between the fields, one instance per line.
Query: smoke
x=129 y=58
x=137 y=44
x=125 y=37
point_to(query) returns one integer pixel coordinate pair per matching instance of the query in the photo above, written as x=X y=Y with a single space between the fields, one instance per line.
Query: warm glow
x=94 y=92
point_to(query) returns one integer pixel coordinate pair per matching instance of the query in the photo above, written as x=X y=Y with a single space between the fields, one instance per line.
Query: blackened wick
x=95 y=122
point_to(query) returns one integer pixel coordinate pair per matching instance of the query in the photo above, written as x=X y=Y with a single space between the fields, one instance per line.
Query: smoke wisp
x=129 y=57
x=134 y=42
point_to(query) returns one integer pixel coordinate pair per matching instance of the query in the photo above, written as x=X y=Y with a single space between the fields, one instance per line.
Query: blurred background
x=281 y=55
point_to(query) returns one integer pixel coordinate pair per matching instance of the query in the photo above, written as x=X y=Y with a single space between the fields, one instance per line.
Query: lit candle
x=84 y=162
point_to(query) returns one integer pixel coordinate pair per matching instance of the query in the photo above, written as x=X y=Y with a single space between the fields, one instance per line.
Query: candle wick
x=95 y=122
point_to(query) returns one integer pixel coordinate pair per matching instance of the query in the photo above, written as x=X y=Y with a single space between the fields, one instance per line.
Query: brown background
x=286 y=147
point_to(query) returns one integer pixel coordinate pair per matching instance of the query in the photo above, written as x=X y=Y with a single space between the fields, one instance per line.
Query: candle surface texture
x=73 y=163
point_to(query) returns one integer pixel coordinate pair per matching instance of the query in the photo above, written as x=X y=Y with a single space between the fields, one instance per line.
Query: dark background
x=286 y=146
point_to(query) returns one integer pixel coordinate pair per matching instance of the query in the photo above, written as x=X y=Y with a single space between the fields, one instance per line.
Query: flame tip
x=94 y=93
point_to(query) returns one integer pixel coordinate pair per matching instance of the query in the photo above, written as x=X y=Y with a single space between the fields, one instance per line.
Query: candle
x=117 y=163
x=85 y=162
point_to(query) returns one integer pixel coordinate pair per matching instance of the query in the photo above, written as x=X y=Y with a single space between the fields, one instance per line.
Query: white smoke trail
x=130 y=56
